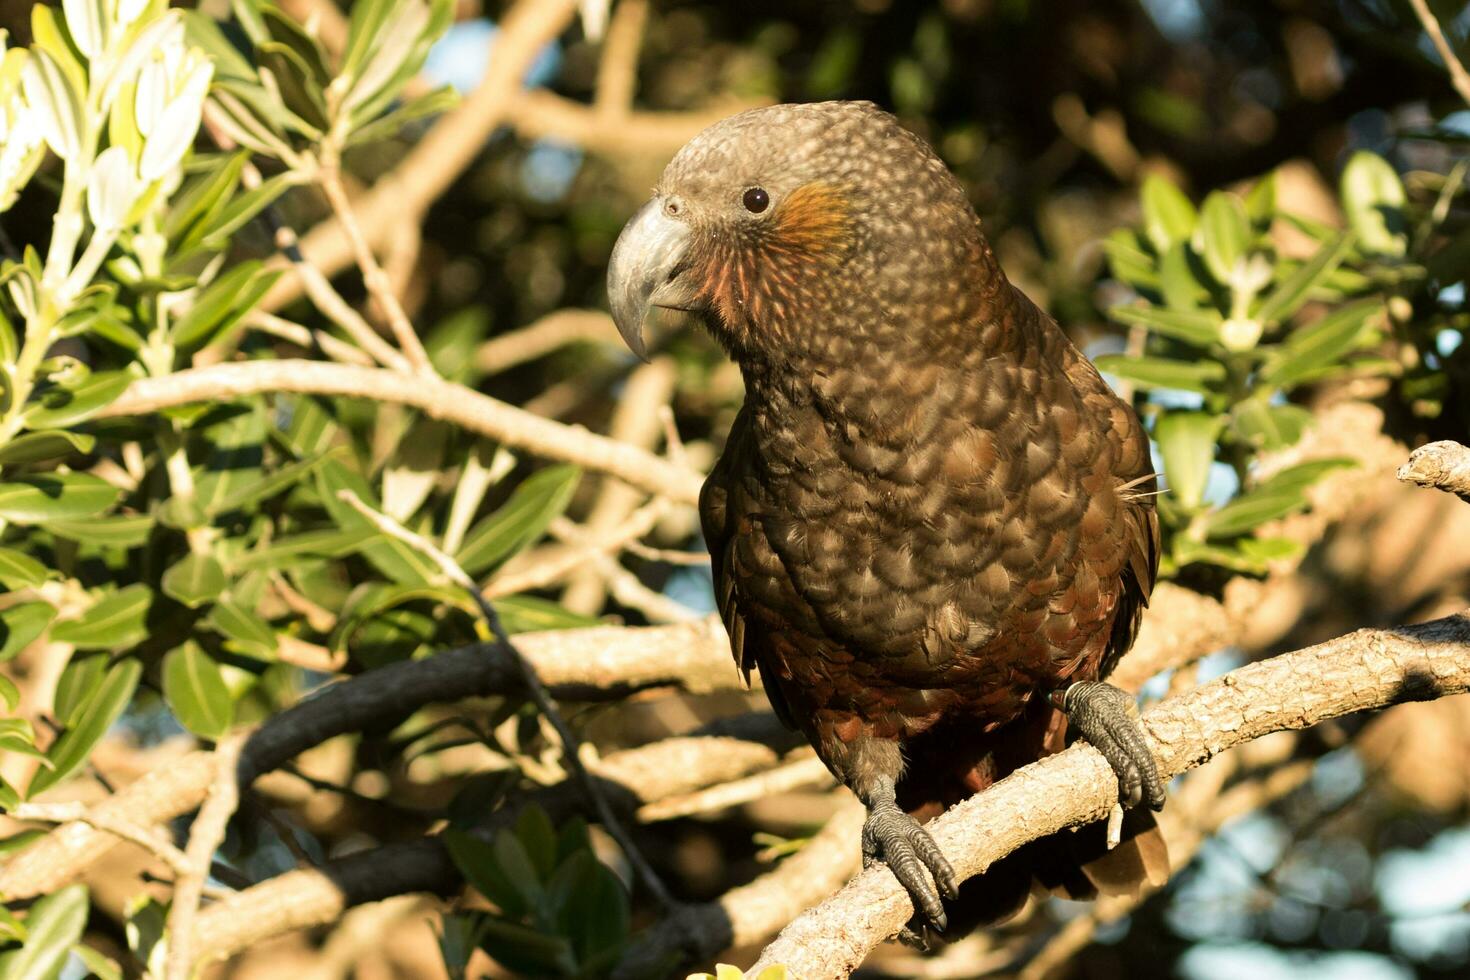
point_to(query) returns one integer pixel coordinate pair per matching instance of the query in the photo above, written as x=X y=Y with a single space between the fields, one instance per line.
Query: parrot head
x=784 y=228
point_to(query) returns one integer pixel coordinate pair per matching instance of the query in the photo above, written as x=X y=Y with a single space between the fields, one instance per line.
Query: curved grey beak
x=645 y=271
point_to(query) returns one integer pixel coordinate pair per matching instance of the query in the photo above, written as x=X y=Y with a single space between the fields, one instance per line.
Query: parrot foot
x=909 y=852
x=1107 y=718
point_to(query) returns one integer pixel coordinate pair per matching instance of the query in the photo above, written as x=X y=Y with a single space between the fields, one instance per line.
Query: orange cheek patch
x=813 y=220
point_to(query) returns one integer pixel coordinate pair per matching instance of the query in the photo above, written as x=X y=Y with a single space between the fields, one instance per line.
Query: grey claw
x=1106 y=717
x=913 y=857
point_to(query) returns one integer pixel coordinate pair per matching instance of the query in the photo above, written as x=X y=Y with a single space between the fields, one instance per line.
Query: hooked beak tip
x=644 y=271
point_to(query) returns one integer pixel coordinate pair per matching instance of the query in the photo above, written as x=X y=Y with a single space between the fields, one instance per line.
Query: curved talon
x=913 y=857
x=1108 y=719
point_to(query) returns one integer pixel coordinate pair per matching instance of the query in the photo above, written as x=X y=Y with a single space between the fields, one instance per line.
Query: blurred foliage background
x=1252 y=213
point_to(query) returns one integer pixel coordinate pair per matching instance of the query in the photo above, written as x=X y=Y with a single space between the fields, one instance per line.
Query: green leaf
x=477 y=862
x=1251 y=510
x=19 y=570
x=1168 y=216
x=33 y=446
x=539 y=500
x=295 y=548
x=531 y=614
x=54 y=925
x=1319 y=344
x=1269 y=427
x=1260 y=204
x=392 y=557
x=1128 y=261
x=386 y=127
x=266 y=487
x=224 y=304
x=242 y=208
x=16 y=734
x=79 y=681
x=538 y=837
x=55 y=496
x=121 y=531
x=101 y=966
x=311 y=428
x=21 y=624
x=1187 y=443
x=244 y=630
x=526 y=951
x=1225 y=234
x=595 y=912
x=1183 y=289
x=1160 y=372
x=203 y=199
x=58 y=407
x=196 y=691
x=1373 y=198
x=367 y=20
x=1303 y=475
x=1198 y=327
x=1289 y=295
x=300 y=91
x=195 y=579
x=116 y=621
x=93 y=721
x=10 y=694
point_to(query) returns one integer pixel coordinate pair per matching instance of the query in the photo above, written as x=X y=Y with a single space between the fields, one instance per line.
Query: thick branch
x=1366 y=669
x=612 y=658
x=1442 y=465
x=511 y=426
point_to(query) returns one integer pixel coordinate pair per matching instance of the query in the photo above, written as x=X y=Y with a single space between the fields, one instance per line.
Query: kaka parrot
x=932 y=526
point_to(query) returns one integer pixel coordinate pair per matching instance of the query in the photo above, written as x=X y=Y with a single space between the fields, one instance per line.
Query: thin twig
x=571 y=745
x=471 y=410
x=148 y=838
x=809 y=771
x=204 y=838
x=379 y=286
x=1459 y=77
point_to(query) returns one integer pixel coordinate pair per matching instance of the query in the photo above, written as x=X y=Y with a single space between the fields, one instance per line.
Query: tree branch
x=1362 y=670
x=435 y=397
x=1441 y=465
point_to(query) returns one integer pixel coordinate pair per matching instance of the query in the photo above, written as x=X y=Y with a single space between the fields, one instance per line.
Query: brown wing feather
x=716 y=517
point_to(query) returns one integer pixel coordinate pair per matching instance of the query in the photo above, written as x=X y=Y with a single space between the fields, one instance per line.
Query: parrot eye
x=756 y=200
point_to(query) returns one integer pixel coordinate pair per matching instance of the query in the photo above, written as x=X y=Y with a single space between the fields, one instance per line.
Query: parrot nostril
x=673 y=207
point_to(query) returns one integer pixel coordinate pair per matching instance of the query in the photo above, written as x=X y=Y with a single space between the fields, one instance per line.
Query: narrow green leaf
x=21 y=624
x=296 y=547
x=196 y=691
x=1225 y=234
x=79 y=681
x=1160 y=372
x=390 y=556
x=195 y=579
x=223 y=304
x=1303 y=475
x=1269 y=427
x=19 y=570
x=10 y=694
x=54 y=924
x=1319 y=344
x=1260 y=204
x=265 y=487
x=244 y=630
x=55 y=496
x=116 y=621
x=477 y=862
x=539 y=500
x=1289 y=295
x=1168 y=216
x=1252 y=510
x=121 y=531
x=1373 y=198
x=1187 y=443
x=1180 y=281
x=58 y=408
x=532 y=614
x=33 y=446
x=1128 y=261
x=93 y=721
x=1198 y=327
